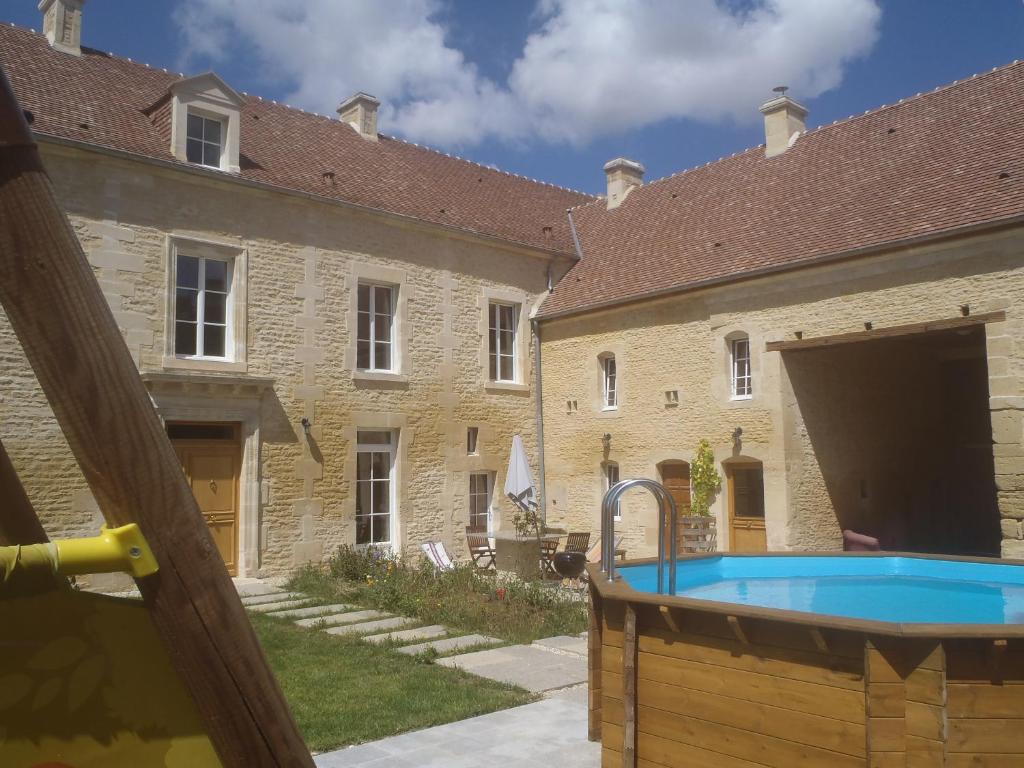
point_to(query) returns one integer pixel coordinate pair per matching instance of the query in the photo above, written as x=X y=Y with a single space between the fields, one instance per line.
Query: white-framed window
x=739 y=367
x=503 y=319
x=204 y=140
x=472 y=437
x=375 y=486
x=609 y=377
x=610 y=473
x=375 y=336
x=480 y=486
x=202 y=307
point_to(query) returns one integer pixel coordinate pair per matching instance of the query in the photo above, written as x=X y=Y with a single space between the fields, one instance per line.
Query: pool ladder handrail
x=609 y=509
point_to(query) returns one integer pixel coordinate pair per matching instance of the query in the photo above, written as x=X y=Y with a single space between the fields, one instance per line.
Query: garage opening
x=899 y=427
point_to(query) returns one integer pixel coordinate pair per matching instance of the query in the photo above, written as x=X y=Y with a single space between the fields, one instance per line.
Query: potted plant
x=696 y=525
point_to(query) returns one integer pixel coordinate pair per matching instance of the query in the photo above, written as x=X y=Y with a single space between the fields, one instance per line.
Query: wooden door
x=675 y=476
x=211 y=467
x=746 y=507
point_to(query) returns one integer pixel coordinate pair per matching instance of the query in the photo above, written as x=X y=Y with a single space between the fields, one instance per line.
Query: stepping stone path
x=449 y=644
x=408 y=635
x=548 y=666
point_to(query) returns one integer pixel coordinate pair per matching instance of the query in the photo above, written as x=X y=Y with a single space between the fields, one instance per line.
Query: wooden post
x=594 y=640
x=629 y=688
x=70 y=338
x=18 y=521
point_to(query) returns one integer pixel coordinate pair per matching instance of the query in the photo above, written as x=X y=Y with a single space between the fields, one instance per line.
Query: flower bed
x=464 y=599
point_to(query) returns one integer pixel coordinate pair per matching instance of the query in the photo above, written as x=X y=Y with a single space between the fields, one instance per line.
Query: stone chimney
x=783 y=122
x=360 y=111
x=62 y=24
x=623 y=176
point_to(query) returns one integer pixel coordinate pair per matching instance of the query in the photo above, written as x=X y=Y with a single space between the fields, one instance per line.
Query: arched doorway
x=744 y=478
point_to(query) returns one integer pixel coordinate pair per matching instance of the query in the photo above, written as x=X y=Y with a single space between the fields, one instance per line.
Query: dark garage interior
x=901 y=431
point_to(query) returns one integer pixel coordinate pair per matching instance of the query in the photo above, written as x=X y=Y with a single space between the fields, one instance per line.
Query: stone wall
x=679 y=345
x=302 y=258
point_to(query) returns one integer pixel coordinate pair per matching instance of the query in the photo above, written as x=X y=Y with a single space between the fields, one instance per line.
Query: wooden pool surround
x=680 y=682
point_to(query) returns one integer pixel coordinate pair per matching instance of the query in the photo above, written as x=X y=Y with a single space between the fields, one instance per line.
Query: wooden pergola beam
x=70 y=338
x=19 y=523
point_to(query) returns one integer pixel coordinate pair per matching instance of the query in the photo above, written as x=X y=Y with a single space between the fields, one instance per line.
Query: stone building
x=838 y=312
x=340 y=329
x=333 y=324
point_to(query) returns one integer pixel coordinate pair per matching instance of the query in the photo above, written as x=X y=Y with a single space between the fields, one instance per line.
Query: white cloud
x=589 y=67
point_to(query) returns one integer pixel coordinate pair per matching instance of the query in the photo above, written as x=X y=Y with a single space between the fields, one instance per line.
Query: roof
x=111 y=102
x=932 y=164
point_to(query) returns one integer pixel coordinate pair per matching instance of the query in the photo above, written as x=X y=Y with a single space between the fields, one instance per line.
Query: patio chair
x=594 y=553
x=480 y=549
x=578 y=542
x=547 y=558
x=438 y=555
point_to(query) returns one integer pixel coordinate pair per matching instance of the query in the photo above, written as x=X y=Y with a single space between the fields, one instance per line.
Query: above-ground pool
x=810 y=660
x=879 y=588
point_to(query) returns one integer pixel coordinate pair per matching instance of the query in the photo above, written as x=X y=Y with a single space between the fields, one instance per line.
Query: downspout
x=538 y=383
x=539 y=400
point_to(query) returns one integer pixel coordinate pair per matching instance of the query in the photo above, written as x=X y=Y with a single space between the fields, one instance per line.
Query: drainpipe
x=539 y=407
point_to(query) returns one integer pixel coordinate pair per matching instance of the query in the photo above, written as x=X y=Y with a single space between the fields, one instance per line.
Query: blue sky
x=450 y=78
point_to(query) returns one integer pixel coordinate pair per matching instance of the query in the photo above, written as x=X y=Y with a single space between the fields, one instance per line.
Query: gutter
x=214 y=175
x=828 y=258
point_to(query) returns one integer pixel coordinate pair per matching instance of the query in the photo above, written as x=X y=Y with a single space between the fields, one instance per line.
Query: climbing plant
x=705 y=479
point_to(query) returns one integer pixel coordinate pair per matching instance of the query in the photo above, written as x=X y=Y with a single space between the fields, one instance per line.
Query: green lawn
x=344 y=691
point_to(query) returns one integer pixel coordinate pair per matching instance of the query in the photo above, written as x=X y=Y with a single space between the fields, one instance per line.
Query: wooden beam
x=69 y=336
x=886 y=333
x=19 y=523
x=629 y=654
x=737 y=629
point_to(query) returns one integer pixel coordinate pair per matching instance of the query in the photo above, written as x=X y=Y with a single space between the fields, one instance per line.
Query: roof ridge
x=839 y=122
x=494 y=168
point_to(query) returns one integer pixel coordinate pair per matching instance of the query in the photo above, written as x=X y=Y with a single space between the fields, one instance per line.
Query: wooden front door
x=746 y=507
x=211 y=463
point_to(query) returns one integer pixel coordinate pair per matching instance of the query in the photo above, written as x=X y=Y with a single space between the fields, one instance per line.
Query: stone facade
x=297 y=261
x=674 y=389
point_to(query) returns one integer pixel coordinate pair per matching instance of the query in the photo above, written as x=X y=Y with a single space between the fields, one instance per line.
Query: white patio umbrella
x=519 y=484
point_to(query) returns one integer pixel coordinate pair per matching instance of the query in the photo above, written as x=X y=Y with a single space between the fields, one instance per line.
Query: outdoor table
x=520 y=554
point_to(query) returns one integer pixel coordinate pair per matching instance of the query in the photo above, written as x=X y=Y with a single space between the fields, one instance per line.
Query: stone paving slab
x=448 y=644
x=256 y=588
x=545 y=733
x=312 y=610
x=370 y=627
x=350 y=617
x=564 y=644
x=528 y=666
x=271 y=597
x=280 y=605
x=408 y=635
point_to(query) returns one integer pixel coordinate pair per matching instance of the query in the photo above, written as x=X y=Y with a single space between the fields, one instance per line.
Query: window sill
x=199 y=364
x=608 y=413
x=362 y=375
x=740 y=398
x=506 y=386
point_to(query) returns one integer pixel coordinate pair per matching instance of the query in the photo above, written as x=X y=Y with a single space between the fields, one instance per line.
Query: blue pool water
x=897 y=589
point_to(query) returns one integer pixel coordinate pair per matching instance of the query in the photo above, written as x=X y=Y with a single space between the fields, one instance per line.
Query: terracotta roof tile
x=114 y=103
x=921 y=167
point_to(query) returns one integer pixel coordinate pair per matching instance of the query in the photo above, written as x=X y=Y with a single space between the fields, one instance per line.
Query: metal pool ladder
x=609 y=508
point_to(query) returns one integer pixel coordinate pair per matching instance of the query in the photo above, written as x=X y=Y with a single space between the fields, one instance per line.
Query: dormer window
x=204 y=122
x=204 y=140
